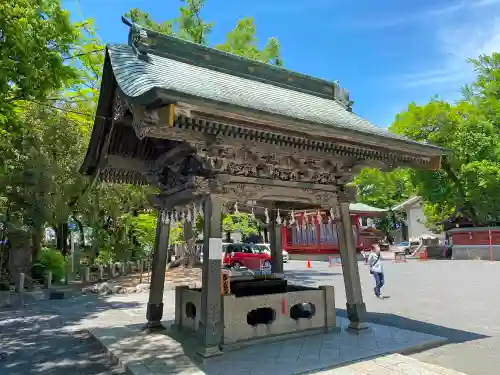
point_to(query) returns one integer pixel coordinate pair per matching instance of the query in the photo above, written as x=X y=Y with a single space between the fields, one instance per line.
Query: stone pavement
x=455 y=299
x=393 y=364
x=34 y=343
x=160 y=354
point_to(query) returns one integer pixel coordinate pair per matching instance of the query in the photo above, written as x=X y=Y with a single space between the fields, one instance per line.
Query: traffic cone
x=308 y=262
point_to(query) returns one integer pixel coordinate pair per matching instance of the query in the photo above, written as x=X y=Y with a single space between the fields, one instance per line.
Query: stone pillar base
x=356 y=312
x=209 y=352
x=154 y=314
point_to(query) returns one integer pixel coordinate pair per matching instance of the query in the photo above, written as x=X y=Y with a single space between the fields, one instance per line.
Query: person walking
x=376 y=269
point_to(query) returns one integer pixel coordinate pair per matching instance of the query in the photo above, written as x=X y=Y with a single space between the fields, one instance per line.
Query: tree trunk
x=461 y=191
x=228 y=236
x=36 y=242
x=62 y=238
x=19 y=255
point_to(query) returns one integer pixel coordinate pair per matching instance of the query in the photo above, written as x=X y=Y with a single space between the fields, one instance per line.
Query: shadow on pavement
x=454 y=336
x=309 y=276
x=43 y=337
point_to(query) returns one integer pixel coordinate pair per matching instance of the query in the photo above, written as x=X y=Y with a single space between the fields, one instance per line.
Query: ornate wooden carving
x=120 y=108
x=145 y=119
x=259 y=161
x=244 y=192
x=246 y=164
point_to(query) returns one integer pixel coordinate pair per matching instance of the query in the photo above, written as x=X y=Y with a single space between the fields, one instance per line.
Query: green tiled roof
x=136 y=77
x=155 y=61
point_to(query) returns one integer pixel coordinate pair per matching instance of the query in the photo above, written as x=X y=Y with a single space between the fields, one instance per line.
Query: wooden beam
x=171 y=114
x=277 y=183
x=127 y=164
x=434 y=163
x=257 y=119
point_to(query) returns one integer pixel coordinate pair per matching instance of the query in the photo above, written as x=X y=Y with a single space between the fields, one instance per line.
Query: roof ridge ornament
x=341 y=95
x=138 y=38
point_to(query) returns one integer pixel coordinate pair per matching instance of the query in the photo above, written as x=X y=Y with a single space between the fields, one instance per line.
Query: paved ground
x=171 y=353
x=454 y=299
x=449 y=298
x=37 y=340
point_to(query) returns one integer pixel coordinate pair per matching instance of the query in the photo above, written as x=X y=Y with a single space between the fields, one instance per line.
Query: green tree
x=50 y=77
x=384 y=190
x=471 y=173
x=189 y=25
x=36 y=38
x=242 y=41
x=240 y=223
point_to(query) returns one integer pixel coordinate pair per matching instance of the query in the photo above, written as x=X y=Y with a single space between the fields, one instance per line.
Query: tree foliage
x=50 y=74
x=36 y=39
x=468 y=129
x=384 y=190
x=242 y=41
x=189 y=25
x=471 y=173
x=242 y=223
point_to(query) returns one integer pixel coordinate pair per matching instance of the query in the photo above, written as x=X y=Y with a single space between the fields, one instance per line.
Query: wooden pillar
x=276 y=244
x=154 y=312
x=355 y=307
x=211 y=325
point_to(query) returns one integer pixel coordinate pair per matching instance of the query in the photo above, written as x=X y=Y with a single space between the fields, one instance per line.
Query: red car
x=252 y=256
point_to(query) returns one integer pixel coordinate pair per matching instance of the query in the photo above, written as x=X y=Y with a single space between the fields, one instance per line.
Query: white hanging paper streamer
x=319 y=217
x=332 y=214
x=176 y=217
x=195 y=212
x=183 y=217
x=189 y=217
x=253 y=214
x=201 y=210
x=236 y=208
x=292 y=218
x=266 y=214
x=278 y=218
x=165 y=217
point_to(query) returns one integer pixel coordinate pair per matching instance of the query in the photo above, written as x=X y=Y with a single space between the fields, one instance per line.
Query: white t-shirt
x=375 y=267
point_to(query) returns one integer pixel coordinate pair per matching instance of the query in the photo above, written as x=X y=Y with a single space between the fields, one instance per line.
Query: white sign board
x=214 y=248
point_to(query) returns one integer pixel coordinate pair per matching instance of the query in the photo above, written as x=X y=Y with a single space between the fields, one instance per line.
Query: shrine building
x=209 y=129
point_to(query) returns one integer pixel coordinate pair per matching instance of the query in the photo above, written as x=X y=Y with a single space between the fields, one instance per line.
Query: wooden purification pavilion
x=211 y=129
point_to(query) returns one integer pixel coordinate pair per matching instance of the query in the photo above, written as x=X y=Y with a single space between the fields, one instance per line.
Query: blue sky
x=387 y=53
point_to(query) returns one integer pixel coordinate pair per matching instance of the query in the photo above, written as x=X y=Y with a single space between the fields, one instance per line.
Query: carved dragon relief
x=257 y=162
